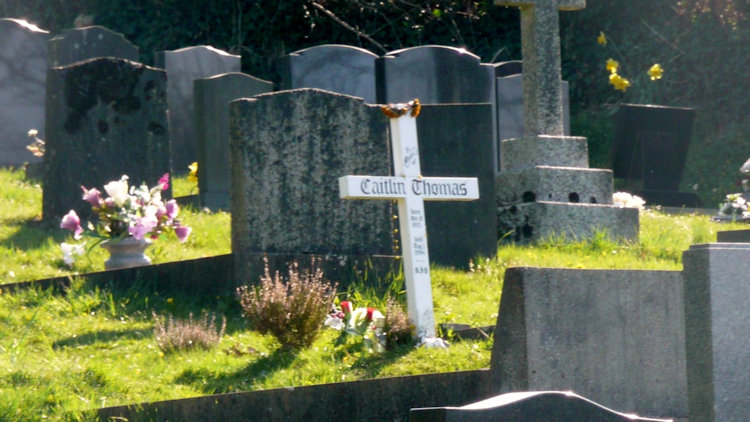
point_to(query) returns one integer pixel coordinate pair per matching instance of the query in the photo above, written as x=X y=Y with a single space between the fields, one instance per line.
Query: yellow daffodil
x=620 y=83
x=601 y=39
x=655 y=72
x=193 y=176
x=612 y=65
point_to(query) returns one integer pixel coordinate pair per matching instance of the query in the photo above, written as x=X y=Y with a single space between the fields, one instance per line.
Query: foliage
x=175 y=334
x=293 y=309
x=397 y=327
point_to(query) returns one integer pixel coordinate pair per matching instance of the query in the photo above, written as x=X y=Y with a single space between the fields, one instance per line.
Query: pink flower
x=92 y=196
x=73 y=223
x=109 y=202
x=346 y=306
x=164 y=181
x=182 y=233
x=172 y=209
x=142 y=227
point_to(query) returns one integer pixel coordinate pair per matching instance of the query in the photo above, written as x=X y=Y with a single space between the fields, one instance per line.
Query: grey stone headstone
x=337 y=68
x=212 y=98
x=435 y=75
x=454 y=141
x=75 y=45
x=105 y=117
x=733 y=236
x=717 y=321
x=615 y=337
x=288 y=150
x=23 y=76
x=533 y=406
x=184 y=66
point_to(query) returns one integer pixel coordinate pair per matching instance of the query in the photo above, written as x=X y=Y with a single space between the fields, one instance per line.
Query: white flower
x=69 y=251
x=118 y=190
x=334 y=322
x=33 y=133
x=626 y=200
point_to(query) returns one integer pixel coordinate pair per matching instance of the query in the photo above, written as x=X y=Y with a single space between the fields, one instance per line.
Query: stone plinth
x=717 y=335
x=615 y=337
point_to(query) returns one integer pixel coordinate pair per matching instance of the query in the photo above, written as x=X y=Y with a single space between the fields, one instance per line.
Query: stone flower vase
x=126 y=253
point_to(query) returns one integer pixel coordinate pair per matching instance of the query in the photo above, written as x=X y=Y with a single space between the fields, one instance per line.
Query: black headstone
x=337 y=68
x=733 y=236
x=540 y=406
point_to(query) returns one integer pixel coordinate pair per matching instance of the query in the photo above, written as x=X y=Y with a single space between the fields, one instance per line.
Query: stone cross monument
x=540 y=46
x=545 y=186
x=410 y=189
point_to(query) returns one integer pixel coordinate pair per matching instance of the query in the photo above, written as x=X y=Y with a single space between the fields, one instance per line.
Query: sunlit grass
x=93 y=347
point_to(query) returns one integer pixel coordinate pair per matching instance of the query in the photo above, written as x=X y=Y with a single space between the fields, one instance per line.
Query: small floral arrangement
x=367 y=323
x=734 y=207
x=128 y=211
x=619 y=82
x=37 y=146
x=626 y=200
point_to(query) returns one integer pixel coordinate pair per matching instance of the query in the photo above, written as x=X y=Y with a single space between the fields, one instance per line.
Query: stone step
x=554 y=184
x=527 y=222
x=543 y=150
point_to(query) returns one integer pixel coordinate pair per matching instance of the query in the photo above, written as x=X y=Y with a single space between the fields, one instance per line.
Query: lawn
x=63 y=354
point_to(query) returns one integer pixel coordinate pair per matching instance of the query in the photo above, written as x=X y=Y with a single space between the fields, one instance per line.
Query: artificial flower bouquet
x=360 y=322
x=127 y=211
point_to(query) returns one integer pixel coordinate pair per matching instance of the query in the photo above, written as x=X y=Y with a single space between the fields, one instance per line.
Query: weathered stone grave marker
x=212 y=96
x=23 y=75
x=410 y=189
x=75 y=45
x=545 y=186
x=184 y=66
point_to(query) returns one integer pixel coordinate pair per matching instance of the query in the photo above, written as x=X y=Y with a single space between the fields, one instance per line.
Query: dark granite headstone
x=337 y=68
x=733 y=236
x=23 y=75
x=75 y=45
x=536 y=406
x=649 y=151
x=184 y=66
x=288 y=150
x=105 y=117
x=455 y=141
x=212 y=98
x=435 y=75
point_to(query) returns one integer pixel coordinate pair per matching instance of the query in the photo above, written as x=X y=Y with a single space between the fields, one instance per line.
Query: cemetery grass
x=63 y=354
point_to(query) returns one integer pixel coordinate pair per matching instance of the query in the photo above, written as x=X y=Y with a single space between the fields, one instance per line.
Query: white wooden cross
x=410 y=189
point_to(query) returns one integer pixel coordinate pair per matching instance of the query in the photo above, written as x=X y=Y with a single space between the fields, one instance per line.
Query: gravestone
x=717 y=321
x=509 y=91
x=649 y=151
x=287 y=150
x=534 y=406
x=545 y=187
x=23 y=76
x=614 y=336
x=733 y=236
x=75 y=45
x=212 y=98
x=337 y=68
x=411 y=189
x=105 y=117
x=184 y=66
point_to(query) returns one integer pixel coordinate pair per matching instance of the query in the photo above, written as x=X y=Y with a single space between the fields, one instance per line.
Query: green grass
x=62 y=354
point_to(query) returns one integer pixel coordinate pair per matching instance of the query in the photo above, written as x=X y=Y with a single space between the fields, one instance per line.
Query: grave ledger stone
x=717 y=321
x=184 y=66
x=75 y=45
x=287 y=150
x=105 y=117
x=337 y=68
x=23 y=76
x=545 y=186
x=533 y=406
x=212 y=98
x=411 y=189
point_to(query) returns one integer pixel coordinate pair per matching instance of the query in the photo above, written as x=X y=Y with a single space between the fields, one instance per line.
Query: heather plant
x=397 y=327
x=293 y=309
x=174 y=334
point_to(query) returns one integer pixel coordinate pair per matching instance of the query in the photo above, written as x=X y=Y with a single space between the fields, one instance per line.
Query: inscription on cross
x=410 y=189
x=540 y=48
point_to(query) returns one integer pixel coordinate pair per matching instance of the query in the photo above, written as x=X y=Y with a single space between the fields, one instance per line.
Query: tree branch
x=347 y=26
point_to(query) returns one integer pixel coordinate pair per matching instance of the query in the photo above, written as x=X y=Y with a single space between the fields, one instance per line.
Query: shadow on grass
x=102 y=336
x=211 y=383
x=33 y=234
